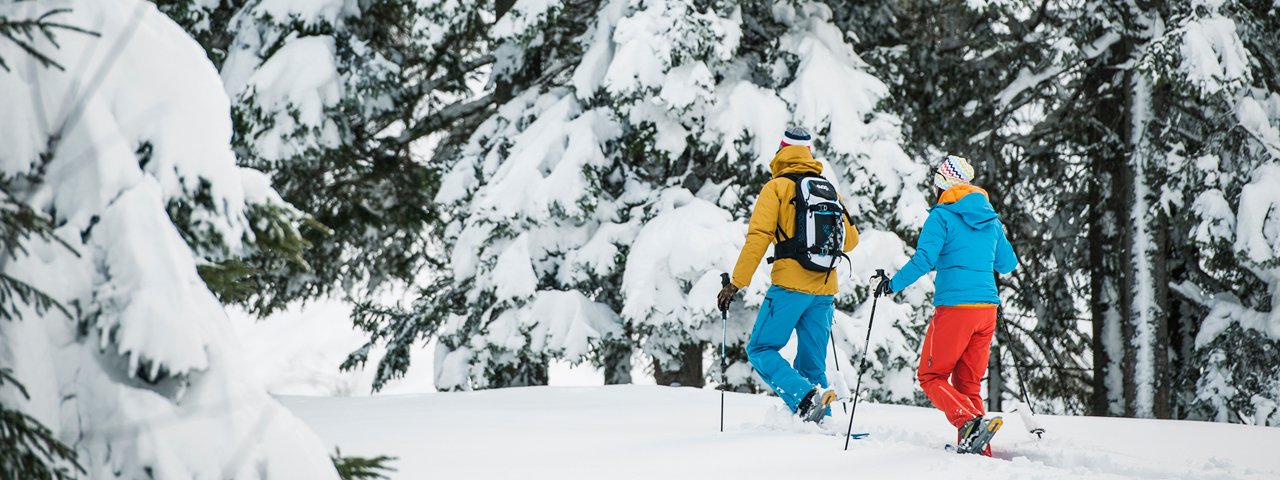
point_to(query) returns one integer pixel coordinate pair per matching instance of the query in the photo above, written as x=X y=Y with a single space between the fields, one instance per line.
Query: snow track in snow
x=660 y=432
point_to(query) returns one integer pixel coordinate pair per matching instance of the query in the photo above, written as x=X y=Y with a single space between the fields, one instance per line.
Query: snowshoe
x=814 y=405
x=976 y=434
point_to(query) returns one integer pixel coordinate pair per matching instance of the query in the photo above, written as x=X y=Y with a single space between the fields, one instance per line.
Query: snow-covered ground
x=651 y=432
x=297 y=352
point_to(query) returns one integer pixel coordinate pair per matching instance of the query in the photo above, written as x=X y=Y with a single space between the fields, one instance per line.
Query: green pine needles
x=362 y=468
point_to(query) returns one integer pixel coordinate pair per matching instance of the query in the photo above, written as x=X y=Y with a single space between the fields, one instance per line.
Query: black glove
x=882 y=289
x=725 y=296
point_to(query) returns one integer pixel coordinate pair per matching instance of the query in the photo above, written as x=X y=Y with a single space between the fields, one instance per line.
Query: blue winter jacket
x=964 y=240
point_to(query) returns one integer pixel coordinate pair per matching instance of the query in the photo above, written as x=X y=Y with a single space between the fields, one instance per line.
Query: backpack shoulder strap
x=845 y=211
x=796 y=177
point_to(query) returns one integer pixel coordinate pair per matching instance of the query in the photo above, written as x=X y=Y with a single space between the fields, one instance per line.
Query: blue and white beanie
x=796 y=136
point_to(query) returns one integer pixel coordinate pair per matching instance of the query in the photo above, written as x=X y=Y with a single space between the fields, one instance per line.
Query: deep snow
x=632 y=431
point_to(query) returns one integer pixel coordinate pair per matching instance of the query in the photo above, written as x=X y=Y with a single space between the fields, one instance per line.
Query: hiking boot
x=814 y=404
x=975 y=435
x=968 y=431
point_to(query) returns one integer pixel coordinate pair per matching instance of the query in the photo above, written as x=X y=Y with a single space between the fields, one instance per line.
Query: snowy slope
x=648 y=432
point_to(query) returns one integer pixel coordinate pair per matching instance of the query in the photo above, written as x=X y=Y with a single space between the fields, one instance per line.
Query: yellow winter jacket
x=774 y=210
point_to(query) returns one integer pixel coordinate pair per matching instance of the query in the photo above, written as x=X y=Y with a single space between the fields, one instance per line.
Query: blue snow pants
x=782 y=312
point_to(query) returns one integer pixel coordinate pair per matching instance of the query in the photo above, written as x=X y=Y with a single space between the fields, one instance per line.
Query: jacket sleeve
x=760 y=233
x=1006 y=259
x=850 y=231
x=927 y=249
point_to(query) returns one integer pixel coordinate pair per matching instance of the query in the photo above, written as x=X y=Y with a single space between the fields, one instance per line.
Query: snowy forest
x=564 y=181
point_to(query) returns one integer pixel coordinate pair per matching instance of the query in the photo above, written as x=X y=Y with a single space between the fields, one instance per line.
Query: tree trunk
x=995 y=381
x=529 y=373
x=690 y=372
x=1129 y=217
x=1145 y=289
x=1128 y=241
x=616 y=359
x=1183 y=320
x=1102 y=288
x=1105 y=214
x=1159 y=320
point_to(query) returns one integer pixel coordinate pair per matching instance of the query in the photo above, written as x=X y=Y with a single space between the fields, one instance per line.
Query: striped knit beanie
x=796 y=136
x=953 y=171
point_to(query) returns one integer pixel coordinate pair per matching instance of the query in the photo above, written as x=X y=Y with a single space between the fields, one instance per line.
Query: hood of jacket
x=970 y=203
x=794 y=159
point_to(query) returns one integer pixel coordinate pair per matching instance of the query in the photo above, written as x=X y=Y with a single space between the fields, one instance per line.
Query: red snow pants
x=954 y=358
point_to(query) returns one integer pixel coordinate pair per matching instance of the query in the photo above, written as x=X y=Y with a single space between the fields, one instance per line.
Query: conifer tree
x=118 y=182
x=617 y=178
x=330 y=99
x=1142 y=104
x=1145 y=106
x=31 y=449
x=1167 y=90
x=973 y=79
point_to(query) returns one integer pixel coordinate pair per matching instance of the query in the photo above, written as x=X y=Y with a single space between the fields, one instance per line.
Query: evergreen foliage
x=563 y=180
x=982 y=93
x=116 y=182
x=362 y=468
x=27 y=448
x=588 y=216
x=30 y=450
x=22 y=32
x=1115 y=142
x=327 y=100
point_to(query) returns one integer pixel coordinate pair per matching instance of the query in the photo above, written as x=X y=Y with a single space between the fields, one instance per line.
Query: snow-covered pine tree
x=972 y=78
x=708 y=125
x=31 y=449
x=1073 y=131
x=1145 y=110
x=1136 y=197
x=139 y=371
x=531 y=234
x=329 y=98
x=1143 y=104
x=618 y=177
x=1218 y=116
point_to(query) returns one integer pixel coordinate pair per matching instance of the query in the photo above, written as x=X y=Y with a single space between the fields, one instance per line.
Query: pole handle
x=724 y=329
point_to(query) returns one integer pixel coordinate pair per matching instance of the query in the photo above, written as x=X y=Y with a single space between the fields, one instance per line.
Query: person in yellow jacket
x=800 y=299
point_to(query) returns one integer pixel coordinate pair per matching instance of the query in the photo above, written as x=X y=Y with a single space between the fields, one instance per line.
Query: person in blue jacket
x=964 y=241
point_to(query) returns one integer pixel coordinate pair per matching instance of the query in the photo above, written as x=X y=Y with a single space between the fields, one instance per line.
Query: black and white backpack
x=819 y=234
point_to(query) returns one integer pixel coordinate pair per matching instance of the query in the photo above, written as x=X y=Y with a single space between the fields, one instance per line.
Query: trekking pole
x=1028 y=418
x=835 y=357
x=1017 y=368
x=863 y=363
x=724 y=335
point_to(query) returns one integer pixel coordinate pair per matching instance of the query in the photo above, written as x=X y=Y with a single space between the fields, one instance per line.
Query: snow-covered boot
x=976 y=433
x=814 y=405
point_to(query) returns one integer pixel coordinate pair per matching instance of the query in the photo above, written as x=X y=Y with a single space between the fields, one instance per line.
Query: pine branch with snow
x=340 y=104
x=127 y=161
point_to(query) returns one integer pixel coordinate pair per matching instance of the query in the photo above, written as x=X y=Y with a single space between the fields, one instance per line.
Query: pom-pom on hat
x=953 y=171
x=796 y=136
